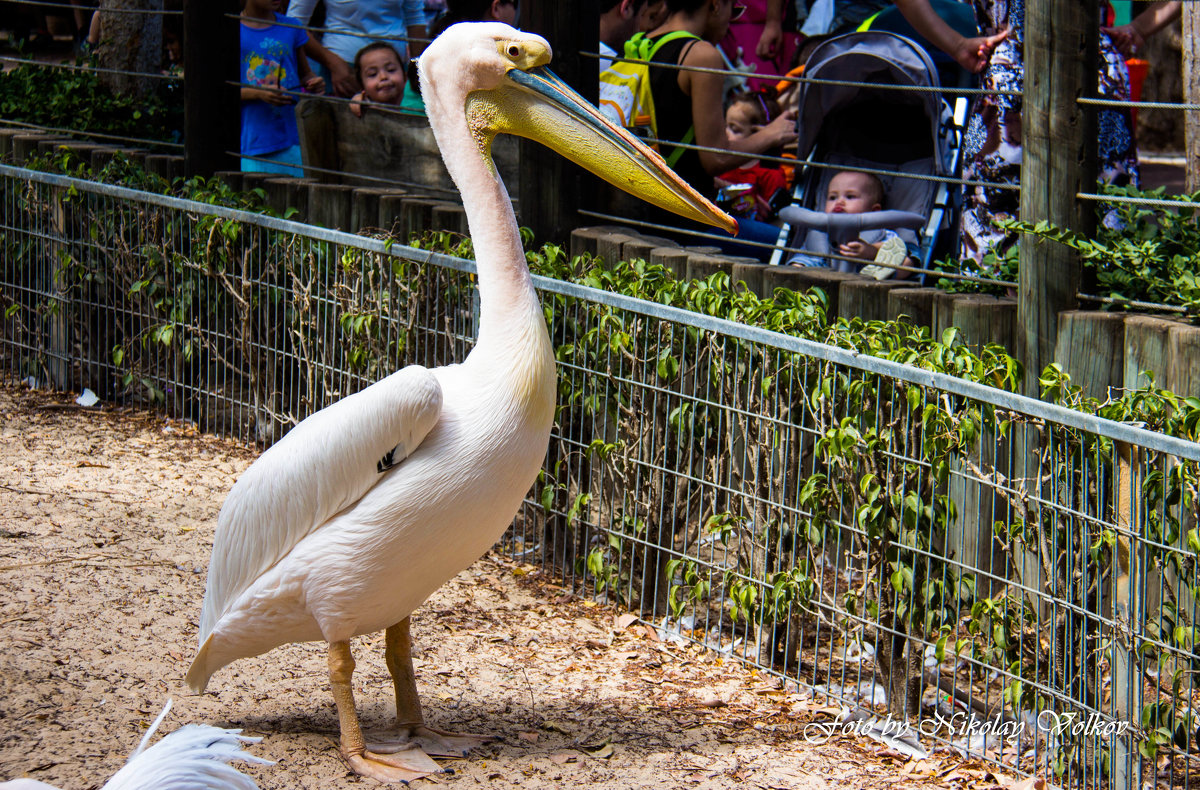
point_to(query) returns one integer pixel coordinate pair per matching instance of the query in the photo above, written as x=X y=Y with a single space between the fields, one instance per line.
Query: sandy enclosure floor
x=106 y=521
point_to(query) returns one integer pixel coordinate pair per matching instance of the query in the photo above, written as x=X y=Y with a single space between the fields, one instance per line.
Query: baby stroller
x=863 y=127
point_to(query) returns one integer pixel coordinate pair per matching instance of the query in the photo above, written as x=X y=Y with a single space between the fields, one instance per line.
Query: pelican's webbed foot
x=399 y=766
x=437 y=743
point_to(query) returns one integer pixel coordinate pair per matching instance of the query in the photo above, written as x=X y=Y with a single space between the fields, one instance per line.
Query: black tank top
x=673 y=109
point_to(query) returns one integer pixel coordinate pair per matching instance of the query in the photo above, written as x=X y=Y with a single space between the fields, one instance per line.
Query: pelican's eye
x=523 y=55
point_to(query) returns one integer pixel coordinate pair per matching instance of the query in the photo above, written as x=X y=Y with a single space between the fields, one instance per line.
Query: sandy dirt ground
x=106 y=522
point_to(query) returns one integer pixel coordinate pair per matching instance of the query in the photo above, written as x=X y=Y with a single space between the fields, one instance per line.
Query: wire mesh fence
x=964 y=566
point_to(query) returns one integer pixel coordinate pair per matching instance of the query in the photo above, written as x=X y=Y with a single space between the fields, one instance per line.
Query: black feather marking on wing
x=387 y=462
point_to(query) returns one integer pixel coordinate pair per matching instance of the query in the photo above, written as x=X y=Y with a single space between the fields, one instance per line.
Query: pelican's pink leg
x=401 y=765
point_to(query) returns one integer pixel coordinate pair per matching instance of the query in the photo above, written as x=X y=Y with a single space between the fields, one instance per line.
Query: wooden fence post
x=673 y=259
x=1191 y=94
x=867 y=298
x=1147 y=350
x=1058 y=161
x=551 y=187
x=211 y=107
x=1091 y=349
x=1128 y=606
x=608 y=247
x=916 y=304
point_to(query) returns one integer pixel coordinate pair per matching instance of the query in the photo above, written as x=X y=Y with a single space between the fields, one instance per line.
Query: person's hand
x=276 y=97
x=781 y=131
x=356 y=104
x=859 y=249
x=269 y=92
x=344 y=83
x=1126 y=39
x=771 y=38
x=973 y=53
x=314 y=84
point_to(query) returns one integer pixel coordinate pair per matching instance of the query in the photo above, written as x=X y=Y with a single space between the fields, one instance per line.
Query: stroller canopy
x=878 y=58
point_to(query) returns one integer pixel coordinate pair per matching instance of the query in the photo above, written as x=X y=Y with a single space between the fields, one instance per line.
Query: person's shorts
x=808 y=260
x=288 y=162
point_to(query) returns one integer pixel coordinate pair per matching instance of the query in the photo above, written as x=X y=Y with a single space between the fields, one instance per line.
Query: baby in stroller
x=872 y=121
x=882 y=249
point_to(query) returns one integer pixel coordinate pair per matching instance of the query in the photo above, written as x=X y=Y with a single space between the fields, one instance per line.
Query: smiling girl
x=381 y=74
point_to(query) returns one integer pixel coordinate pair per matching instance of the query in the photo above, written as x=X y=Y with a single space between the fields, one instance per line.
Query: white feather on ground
x=194 y=757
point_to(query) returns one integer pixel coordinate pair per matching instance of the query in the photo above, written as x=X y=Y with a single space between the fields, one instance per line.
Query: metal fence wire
x=1005 y=577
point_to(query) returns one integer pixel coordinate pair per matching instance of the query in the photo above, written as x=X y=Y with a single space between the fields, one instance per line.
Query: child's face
x=851 y=193
x=382 y=76
x=262 y=8
x=737 y=121
x=173 y=46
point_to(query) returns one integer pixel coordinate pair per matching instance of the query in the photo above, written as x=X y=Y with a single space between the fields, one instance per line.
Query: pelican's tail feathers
x=199 y=672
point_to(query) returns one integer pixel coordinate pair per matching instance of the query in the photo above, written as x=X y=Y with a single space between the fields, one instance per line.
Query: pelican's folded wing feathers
x=324 y=464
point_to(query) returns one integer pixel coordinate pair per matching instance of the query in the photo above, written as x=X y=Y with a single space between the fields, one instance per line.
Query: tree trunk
x=130 y=42
x=899 y=659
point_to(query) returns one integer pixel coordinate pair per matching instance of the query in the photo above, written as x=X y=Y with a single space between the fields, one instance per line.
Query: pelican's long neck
x=506 y=293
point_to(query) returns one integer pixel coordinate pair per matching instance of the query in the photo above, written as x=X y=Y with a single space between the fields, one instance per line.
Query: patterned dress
x=992 y=148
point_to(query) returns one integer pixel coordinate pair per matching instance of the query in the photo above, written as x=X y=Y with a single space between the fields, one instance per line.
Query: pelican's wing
x=323 y=465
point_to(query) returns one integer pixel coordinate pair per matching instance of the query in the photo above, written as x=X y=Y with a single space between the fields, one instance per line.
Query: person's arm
x=344 y=83
x=311 y=82
x=301 y=10
x=772 y=34
x=268 y=93
x=414 y=23
x=416 y=43
x=971 y=53
x=1131 y=37
x=708 y=116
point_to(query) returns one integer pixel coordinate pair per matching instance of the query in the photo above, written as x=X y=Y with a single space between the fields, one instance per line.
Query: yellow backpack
x=625 y=95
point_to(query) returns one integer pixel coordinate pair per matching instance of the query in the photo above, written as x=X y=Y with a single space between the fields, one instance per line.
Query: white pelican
x=319 y=538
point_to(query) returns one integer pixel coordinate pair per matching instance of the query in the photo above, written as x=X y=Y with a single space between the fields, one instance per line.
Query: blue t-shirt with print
x=269 y=59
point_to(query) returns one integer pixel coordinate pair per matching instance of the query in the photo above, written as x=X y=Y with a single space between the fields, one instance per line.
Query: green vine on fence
x=1140 y=253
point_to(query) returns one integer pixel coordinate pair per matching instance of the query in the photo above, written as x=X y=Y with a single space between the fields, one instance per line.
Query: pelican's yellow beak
x=534 y=103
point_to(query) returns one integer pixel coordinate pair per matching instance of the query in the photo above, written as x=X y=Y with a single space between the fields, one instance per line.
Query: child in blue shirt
x=273 y=62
